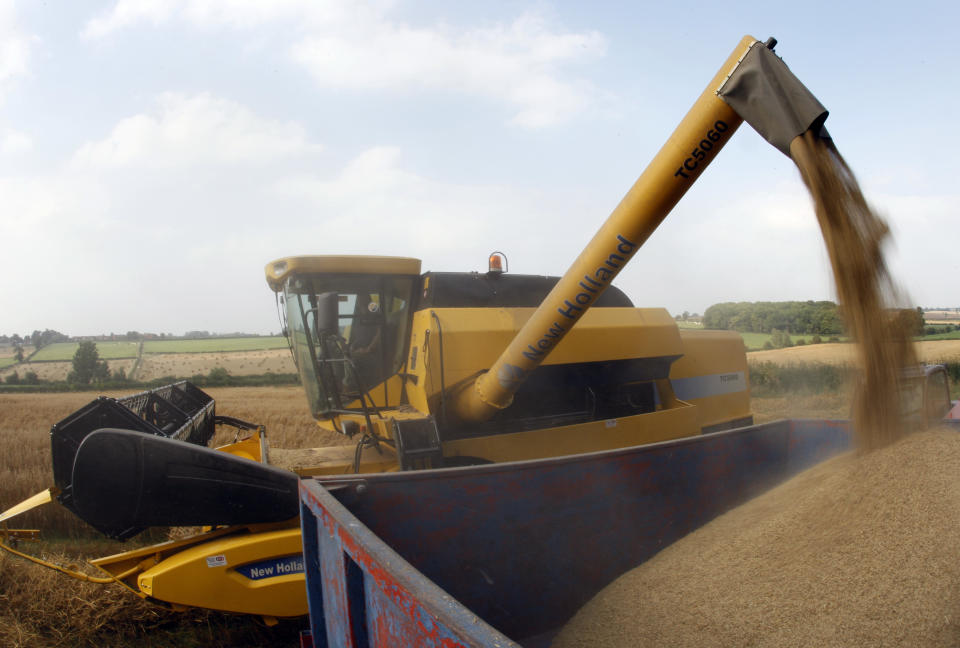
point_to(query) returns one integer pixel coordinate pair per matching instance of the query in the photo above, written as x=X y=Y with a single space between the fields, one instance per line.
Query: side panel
x=249 y=573
x=473 y=338
x=525 y=545
x=674 y=423
x=362 y=594
x=713 y=375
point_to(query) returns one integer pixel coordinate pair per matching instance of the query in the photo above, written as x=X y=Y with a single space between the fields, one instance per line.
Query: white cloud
x=784 y=211
x=247 y=14
x=54 y=226
x=15 y=46
x=13 y=142
x=126 y=13
x=237 y=14
x=922 y=251
x=27 y=205
x=374 y=170
x=517 y=63
x=917 y=212
x=362 y=47
x=198 y=129
x=374 y=205
x=126 y=214
x=132 y=214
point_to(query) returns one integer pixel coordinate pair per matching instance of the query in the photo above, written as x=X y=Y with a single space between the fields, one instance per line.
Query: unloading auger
x=751 y=82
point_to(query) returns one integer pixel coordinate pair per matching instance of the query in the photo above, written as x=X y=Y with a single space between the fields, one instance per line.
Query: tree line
x=794 y=317
x=39 y=339
x=87 y=368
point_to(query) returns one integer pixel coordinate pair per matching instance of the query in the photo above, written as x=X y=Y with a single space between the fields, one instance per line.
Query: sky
x=155 y=155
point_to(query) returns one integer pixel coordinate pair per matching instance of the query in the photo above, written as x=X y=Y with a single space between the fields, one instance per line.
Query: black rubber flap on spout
x=124 y=482
x=764 y=91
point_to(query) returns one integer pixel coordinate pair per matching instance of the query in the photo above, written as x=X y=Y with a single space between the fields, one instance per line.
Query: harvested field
x=834 y=405
x=942 y=316
x=858 y=551
x=45 y=609
x=929 y=351
x=25 y=421
x=39 y=608
x=283 y=410
x=8 y=351
x=57 y=371
x=238 y=363
x=939 y=351
x=178 y=365
x=838 y=354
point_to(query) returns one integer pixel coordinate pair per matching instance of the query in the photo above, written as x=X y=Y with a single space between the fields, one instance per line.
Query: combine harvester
x=520 y=440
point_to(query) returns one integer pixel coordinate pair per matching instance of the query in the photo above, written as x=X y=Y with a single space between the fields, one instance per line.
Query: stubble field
x=42 y=608
x=237 y=363
x=179 y=365
x=25 y=421
x=57 y=371
x=838 y=354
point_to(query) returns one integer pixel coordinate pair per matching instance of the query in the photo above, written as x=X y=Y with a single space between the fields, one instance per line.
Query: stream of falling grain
x=858 y=551
x=854 y=236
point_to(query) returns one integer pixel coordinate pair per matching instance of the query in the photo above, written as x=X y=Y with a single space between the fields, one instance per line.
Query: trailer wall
x=442 y=557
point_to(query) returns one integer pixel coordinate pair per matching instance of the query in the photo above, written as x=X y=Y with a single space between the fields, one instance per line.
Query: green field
x=7 y=361
x=63 y=351
x=214 y=345
x=952 y=335
x=755 y=341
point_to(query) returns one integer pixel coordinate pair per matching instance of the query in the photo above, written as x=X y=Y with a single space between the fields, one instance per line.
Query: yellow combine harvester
x=385 y=354
x=394 y=357
x=424 y=371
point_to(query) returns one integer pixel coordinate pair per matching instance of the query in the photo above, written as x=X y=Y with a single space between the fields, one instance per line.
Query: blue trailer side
x=365 y=594
x=455 y=557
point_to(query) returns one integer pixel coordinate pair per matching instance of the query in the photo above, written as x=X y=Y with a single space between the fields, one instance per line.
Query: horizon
x=194 y=334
